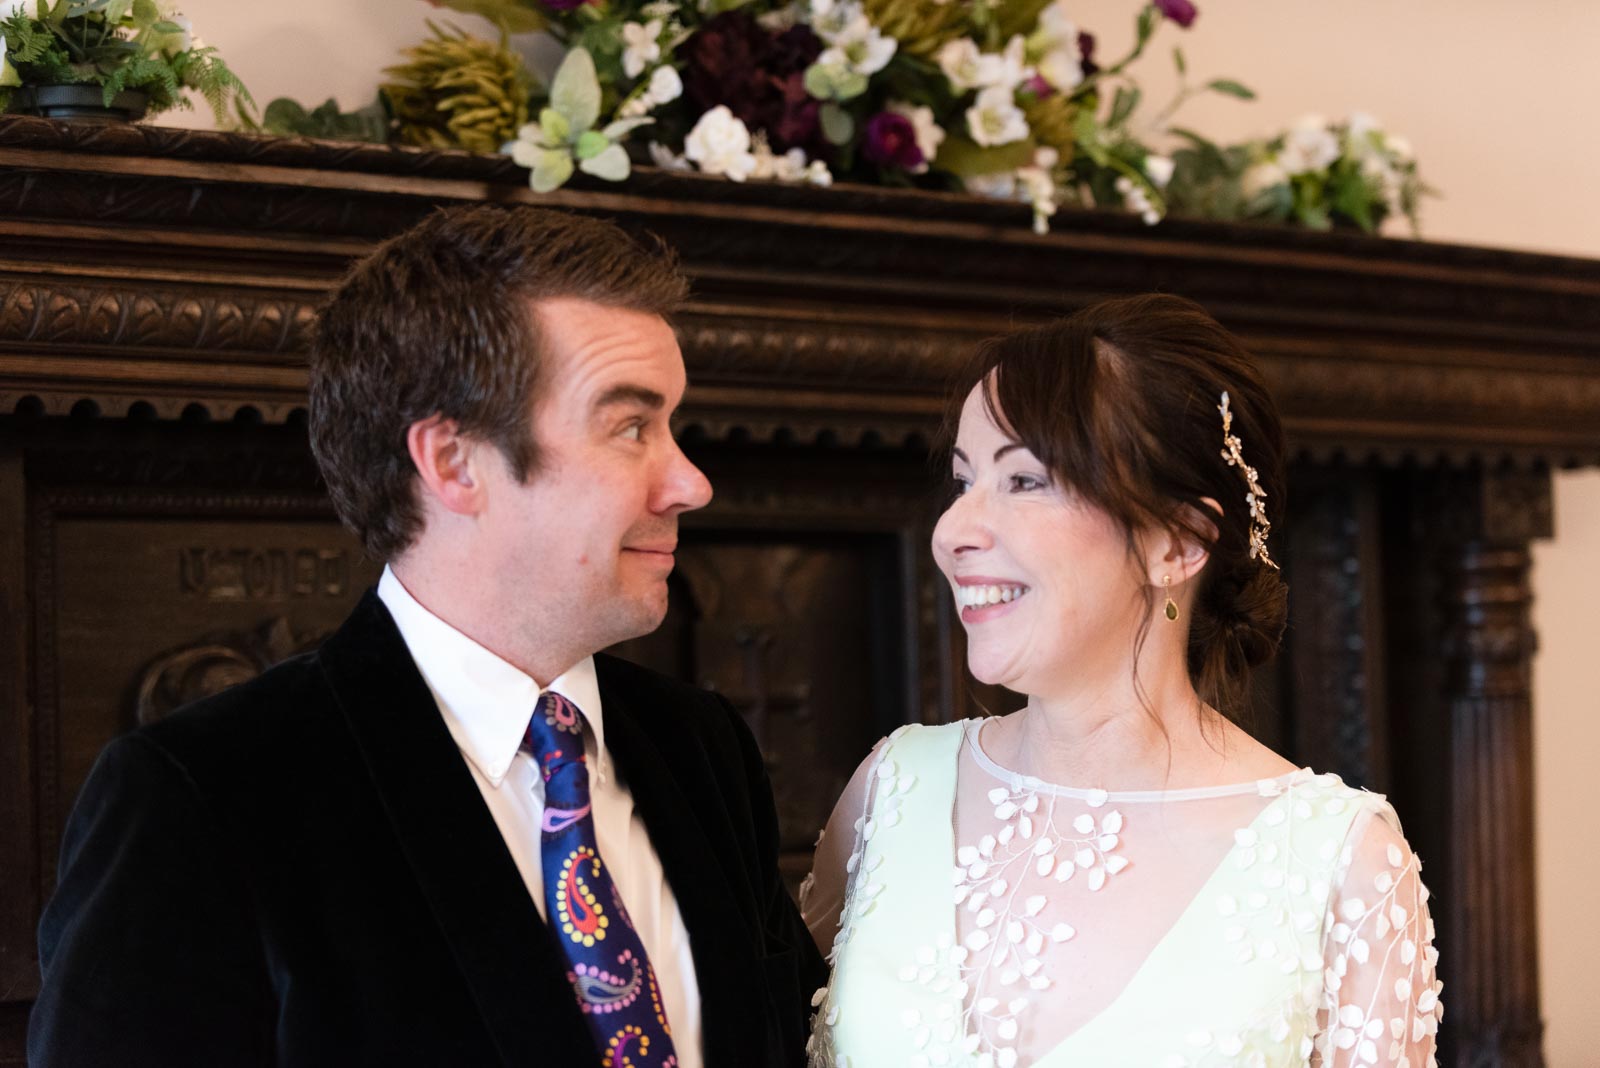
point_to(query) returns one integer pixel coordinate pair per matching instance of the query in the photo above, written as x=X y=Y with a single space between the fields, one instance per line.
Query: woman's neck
x=1102 y=730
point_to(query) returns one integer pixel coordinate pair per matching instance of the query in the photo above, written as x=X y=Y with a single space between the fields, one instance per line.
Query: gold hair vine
x=1256 y=498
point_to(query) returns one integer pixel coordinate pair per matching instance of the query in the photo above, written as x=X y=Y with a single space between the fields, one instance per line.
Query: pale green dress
x=989 y=919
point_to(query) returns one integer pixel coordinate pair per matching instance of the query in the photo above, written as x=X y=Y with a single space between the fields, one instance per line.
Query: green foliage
x=289 y=118
x=120 y=45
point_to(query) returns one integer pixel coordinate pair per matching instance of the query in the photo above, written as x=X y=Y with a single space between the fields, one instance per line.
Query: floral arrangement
x=1317 y=173
x=116 y=45
x=1003 y=97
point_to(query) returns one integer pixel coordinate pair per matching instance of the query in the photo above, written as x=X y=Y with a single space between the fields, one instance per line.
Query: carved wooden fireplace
x=163 y=533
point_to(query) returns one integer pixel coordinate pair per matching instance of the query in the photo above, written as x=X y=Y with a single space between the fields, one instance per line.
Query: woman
x=1115 y=874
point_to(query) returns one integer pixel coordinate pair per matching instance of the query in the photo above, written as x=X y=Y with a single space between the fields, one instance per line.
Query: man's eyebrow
x=625 y=394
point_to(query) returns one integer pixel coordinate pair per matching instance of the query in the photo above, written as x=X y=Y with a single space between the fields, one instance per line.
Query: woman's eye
x=1026 y=483
x=958 y=486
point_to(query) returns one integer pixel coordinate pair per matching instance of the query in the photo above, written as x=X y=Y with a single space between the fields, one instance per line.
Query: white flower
x=1062 y=68
x=861 y=48
x=665 y=85
x=1308 y=146
x=965 y=66
x=1001 y=186
x=1038 y=188
x=1013 y=68
x=789 y=167
x=1399 y=147
x=720 y=144
x=1159 y=170
x=929 y=135
x=995 y=119
x=1136 y=199
x=666 y=159
x=831 y=19
x=1360 y=124
x=641 y=46
x=1261 y=177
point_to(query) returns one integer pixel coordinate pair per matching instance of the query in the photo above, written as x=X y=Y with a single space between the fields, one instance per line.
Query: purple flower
x=891 y=141
x=1180 y=11
x=759 y=75
x=1086 y=54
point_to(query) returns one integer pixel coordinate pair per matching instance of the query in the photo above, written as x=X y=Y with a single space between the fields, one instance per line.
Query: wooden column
x=1491 y=971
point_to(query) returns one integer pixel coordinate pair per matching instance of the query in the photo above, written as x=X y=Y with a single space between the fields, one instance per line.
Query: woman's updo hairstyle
x=1120 y=402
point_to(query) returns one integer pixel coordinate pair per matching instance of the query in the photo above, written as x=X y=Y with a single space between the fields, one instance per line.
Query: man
x=455 y=834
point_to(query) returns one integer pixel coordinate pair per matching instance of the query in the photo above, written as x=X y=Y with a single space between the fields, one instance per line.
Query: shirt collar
x=485 y=700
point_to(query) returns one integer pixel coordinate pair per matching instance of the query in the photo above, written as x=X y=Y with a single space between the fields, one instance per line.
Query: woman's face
x=1048 y=593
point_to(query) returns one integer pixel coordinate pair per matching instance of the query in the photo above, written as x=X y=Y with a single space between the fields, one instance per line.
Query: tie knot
x=555 y=734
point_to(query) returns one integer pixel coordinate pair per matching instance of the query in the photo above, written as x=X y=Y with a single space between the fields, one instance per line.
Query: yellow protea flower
x=459 y=91
x=921 y=27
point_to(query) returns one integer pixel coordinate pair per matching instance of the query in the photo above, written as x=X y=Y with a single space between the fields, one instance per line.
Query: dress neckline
x=1095 y=797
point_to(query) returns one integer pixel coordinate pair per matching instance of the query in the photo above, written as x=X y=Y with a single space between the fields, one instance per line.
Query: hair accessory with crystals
x=1256 y=498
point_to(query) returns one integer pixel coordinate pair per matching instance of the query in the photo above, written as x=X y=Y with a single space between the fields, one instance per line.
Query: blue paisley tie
x=609 y=971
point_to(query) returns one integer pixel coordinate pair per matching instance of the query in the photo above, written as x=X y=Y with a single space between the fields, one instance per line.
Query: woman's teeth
x=977 y=596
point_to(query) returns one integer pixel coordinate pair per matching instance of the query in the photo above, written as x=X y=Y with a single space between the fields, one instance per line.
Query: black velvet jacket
x=301 y=871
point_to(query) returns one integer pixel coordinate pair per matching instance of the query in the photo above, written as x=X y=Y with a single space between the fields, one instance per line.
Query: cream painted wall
x=1497 y=96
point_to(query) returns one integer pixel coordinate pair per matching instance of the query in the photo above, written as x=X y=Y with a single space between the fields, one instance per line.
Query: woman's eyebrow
x=1001 y=451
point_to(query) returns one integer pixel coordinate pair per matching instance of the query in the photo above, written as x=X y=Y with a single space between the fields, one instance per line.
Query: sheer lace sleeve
x=1380 y=1001
x=822 y=895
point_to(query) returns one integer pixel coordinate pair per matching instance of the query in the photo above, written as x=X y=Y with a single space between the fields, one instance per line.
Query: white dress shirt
x=486 y=704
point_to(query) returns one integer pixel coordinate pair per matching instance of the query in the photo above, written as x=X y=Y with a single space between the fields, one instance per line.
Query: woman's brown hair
x=1120 y=402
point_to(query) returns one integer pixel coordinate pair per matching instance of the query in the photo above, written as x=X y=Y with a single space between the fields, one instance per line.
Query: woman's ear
x=446 y=463
x=1176 y=552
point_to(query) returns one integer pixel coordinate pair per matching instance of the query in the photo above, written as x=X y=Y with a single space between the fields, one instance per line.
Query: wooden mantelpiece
x=157 y=286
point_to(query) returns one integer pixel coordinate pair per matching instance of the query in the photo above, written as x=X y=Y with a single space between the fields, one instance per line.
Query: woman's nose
x=963 y=527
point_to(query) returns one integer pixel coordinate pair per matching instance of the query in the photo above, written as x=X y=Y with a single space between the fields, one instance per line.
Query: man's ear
x=447 y=463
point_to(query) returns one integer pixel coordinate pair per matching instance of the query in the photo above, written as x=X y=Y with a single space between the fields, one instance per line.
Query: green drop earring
x=1172 y=606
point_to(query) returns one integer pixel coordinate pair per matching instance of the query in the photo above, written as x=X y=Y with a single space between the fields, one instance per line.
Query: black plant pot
x=78 y=103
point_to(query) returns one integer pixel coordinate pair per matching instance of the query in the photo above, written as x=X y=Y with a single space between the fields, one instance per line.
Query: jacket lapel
x=505 y=952
x=719 y=907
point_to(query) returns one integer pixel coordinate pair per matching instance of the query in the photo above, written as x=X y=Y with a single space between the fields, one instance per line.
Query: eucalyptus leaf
x=967 y=159
x=590 y=144
x=555 y=127
x=616 y=131
x=612 y=164
x=1228 y=87
x=575 y=91
x=552 y=171
x=837 y=125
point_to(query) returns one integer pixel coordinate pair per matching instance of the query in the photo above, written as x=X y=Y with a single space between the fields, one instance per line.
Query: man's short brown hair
x=439 y=321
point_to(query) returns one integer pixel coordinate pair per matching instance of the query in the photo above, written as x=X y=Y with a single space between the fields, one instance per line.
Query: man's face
x=584 y=547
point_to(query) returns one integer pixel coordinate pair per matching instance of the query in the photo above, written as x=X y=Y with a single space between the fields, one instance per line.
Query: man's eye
x=633 y=431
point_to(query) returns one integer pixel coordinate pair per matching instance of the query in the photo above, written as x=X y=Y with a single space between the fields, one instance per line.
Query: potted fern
x=107 y=60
